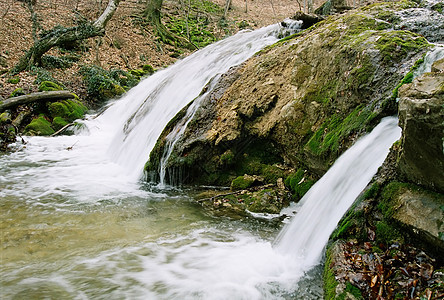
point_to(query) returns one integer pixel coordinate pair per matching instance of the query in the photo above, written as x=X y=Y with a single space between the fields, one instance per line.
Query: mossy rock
x=39 y=126
x=107 y=84
x=46 y=86
x=5 y=117
x=17 y=92
x=58 y=123
x=109 y=92
x=264 y=201
x=69 y=110
x=148 y=69
x=398 y=44
x=137 y=72
x=298 y=184
x=329 y=137
x=242 y=182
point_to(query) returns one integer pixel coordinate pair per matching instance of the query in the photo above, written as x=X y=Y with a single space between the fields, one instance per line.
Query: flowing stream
x=76 y=222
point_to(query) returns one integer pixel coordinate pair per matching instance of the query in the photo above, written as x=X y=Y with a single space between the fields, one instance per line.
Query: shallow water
x=156 y=246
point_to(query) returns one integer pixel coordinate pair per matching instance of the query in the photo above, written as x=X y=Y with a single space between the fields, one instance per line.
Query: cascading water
x=328 y=200
x=178 y=130
x=59 y=194
x=148 y=107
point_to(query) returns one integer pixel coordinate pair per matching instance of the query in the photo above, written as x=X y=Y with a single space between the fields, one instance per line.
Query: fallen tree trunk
x=35 y=97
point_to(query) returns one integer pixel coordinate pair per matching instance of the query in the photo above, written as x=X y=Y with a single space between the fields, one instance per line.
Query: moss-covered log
x=35 y=97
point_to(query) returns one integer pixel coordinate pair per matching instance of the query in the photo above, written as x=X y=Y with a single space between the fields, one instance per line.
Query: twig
x=227 y=6
x=62 y=129
x=236 y=192
x=70 y=148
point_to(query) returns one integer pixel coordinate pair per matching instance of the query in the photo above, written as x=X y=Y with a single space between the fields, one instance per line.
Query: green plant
x=14 y=80
x=103 y=84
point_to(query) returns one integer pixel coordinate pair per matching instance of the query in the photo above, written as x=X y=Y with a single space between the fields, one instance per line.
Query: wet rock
x=418 y=211
x=421 y=116
x=300 y=103
x=307 y=19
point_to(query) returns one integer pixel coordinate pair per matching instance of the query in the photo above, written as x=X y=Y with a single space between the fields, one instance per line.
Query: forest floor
x=128 y=43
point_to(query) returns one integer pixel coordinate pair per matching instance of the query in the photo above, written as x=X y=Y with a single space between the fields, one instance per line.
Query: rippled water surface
x=151 y=246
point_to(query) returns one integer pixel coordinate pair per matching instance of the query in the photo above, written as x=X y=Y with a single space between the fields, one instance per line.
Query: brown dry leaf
x=374 y=281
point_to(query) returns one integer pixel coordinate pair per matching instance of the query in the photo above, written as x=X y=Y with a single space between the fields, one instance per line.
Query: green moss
x=58 y=123
x=361 y=75
x=350 y=289
x=17 y=92
x=398 y=44
x=298 y=184
x=148 y=69
x=264 y=201
x=408 y=78
x=389 y=193
x=194 y=26
x=324 y=93
x=395 y=5
x=272 y=173
x=329 y=279
x=5 y=117
x=372 y=192
x=69 y=110
x=439 y=7
x=49 y=86
x=227 y=158
x=241 y=183
x=330 y=135
x=351 y=225
x=14 y=80
x=385 y=233
x=39 y=126
x=54 y=62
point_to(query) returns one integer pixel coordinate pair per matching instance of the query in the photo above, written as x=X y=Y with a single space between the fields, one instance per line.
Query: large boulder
x=300 y=102
x=421 y=117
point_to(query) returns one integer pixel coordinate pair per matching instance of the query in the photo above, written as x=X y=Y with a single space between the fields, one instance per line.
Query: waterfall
x=326 y=202
x=143 y=113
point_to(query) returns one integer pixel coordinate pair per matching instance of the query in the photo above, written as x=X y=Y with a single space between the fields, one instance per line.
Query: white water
x=63 y=237
x=178 y=130
x=327 y=201
x=436 y=54
x=155 y=101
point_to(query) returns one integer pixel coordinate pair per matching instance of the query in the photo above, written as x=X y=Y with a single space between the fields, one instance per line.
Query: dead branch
x=63 y=36
x=62 y=129
x=255 y=188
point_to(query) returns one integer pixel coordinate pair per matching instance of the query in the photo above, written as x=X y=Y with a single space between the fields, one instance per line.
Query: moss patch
x=103 y=84
x=69 y=110
x=242 y=183
x=398 y=44
x=17 y=92
x=39 y=126
x=58 y=123
x=329 y=136
x=298 y=184
x=329 y=279
x=49 y=86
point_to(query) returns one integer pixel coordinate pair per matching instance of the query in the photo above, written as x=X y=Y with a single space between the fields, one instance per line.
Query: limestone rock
x=422 y=212
x=299 y=103
x=421 y=115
